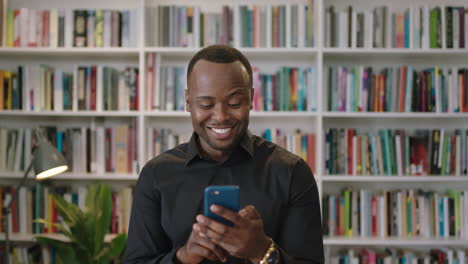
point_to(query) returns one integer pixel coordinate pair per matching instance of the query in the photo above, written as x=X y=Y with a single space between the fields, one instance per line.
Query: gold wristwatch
x=272 y=254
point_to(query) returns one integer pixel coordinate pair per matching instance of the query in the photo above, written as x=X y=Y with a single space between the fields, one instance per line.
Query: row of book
x=26 y=27
x=397 y=213
x=419 y=27
x=90 y=87
x=95 y=149
x=37 y=202
x=292 y=25
x=301 y=144
x=289 y=89
x=36 y=254
x=400 y=256
x=397 y=89
x=396 y=152
x=163 y=139
x=105 y=28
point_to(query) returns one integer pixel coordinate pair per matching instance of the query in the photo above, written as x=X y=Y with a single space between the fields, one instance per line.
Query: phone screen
x=226 y=196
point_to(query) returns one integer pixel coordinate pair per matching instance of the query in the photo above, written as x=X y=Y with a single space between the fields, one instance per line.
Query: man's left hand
x=246 y=239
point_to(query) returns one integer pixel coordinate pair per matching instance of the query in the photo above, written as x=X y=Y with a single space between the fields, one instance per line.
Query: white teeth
x=221 y=131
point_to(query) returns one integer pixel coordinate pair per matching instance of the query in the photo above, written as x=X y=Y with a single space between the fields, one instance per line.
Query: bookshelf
x=320 y=56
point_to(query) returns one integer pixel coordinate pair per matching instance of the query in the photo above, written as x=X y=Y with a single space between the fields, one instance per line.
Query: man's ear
x=251 y=98
x=187 y=103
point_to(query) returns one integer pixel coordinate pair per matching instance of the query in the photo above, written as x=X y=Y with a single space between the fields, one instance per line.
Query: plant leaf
x=58 y=226
x=114 y=249
x=103 y=219
x=75 y=219
x=65 y=251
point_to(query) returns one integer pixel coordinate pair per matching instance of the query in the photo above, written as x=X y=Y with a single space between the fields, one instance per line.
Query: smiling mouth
x=221 y=131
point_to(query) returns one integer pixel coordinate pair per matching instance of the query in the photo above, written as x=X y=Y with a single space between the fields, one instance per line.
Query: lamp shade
x=48 y=161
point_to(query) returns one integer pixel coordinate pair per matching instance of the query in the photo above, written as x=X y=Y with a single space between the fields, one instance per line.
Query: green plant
x=85 y=230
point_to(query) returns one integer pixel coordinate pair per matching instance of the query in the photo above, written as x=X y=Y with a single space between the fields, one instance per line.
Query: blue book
x=301 y=95
x=407 y=29
x=268 y=134
x=441 y=216
x=388 y=90
x=59 y=141
x=373 y=153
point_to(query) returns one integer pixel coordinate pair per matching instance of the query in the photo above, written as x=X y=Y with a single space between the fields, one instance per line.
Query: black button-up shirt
x=169 y=194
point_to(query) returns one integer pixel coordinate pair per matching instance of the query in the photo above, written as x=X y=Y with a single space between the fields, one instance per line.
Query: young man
x=280 y=221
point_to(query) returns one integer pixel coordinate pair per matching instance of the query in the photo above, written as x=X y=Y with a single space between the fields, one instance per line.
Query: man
x=280 y=217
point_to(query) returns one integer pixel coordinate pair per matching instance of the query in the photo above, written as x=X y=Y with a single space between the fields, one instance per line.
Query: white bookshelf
x=28 y=238
x=320 y=57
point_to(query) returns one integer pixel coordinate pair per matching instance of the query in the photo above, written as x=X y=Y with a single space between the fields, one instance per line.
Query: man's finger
x=205 y=242
x=230 y=215
x=210 y=223
x=251 y=212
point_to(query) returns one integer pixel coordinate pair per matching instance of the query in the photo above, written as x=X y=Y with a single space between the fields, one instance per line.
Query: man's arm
x=147 y=241
x=300 y=238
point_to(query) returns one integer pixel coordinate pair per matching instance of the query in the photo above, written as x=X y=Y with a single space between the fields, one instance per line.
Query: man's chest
x=182 y=199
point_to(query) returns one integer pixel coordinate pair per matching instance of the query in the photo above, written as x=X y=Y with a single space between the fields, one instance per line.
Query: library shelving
x=299 y=49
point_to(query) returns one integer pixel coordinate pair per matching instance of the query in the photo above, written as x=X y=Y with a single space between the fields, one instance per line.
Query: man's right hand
x=198 y=248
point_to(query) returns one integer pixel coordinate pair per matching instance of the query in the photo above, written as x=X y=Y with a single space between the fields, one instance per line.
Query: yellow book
x=10 y=28
x=2 y=99
x=297 y=137
x=8 y=81
x=121 y=149
x=50 y=213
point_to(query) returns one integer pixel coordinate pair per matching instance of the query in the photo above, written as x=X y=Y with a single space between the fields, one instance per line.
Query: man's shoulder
x=172 y=157
x=274 y=152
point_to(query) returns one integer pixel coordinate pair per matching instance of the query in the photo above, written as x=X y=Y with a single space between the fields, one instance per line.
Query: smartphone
x=226 y=196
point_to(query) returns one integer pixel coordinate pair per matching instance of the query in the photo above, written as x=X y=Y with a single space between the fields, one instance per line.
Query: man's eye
x=206 y=105
x=233 y=105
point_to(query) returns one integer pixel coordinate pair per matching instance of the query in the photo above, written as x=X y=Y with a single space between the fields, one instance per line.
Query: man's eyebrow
x=204 y=97
x=236 y=92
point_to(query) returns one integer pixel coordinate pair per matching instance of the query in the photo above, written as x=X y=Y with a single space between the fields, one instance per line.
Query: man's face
x=219 y=99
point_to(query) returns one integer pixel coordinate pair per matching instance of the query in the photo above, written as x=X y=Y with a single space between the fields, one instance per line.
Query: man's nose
x=221 y=113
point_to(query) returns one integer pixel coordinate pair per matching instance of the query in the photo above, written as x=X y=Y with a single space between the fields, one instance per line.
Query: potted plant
x=85 y=230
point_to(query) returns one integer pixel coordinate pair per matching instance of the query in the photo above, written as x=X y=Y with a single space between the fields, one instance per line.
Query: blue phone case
x=226 y=196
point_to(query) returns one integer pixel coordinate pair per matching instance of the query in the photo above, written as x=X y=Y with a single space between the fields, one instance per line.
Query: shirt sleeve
x=147 y=241
x=300 y=238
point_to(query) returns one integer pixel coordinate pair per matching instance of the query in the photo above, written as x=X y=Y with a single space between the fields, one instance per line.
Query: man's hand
x=198 y=248
x=246 y=239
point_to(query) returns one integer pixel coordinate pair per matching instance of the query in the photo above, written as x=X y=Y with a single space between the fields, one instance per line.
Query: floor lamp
x=47 y=162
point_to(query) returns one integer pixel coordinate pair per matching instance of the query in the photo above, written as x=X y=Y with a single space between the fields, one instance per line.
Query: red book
x=374 y=216
x=14 y=210
x=93 y=88
x=402 y=89
x=349 y=137
x=108 y=150
x=274 y=82
x=17 y=34
x=55 y=217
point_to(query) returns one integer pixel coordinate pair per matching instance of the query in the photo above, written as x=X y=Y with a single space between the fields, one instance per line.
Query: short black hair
x=220 y=54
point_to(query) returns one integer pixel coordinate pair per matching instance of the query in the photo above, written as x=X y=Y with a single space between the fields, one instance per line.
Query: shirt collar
x=193 y=152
